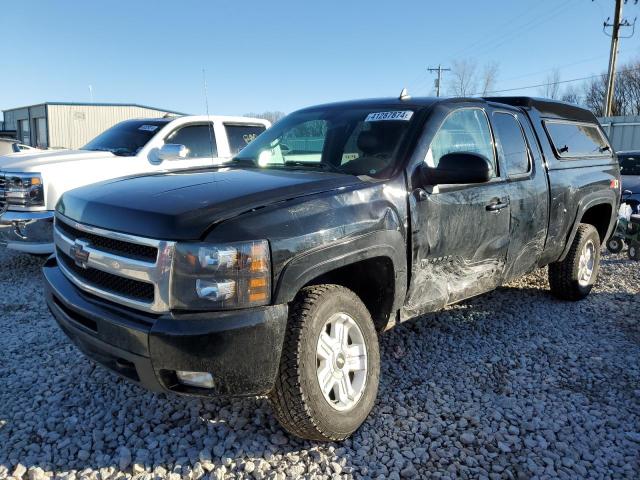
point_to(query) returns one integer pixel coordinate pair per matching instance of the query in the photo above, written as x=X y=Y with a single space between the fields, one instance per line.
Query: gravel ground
x=513 y=384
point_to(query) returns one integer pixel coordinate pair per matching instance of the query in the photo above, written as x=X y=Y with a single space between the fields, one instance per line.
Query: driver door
x=460 y=233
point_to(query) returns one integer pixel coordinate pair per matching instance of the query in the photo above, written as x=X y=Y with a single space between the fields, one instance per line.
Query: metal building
x=71 y=125
x=624 y=132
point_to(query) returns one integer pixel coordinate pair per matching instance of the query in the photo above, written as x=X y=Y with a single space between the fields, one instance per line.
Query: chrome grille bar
x=156 y=273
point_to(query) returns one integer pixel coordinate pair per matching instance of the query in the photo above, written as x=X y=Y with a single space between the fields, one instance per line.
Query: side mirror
x=172 y=151
x=627 y=192
x=458 y=168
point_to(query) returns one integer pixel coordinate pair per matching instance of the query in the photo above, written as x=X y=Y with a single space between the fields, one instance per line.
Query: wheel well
x=599 y=216
x=373 y=280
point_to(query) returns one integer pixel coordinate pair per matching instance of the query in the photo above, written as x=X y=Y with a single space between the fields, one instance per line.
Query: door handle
x=497 y=205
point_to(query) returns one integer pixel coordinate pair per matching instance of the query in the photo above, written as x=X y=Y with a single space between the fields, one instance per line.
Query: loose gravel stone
x=512 y=385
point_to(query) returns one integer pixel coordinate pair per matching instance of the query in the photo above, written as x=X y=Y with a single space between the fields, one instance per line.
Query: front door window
x=465 y=130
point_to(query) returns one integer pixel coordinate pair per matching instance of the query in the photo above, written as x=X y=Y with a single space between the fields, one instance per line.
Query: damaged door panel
x=460 y=233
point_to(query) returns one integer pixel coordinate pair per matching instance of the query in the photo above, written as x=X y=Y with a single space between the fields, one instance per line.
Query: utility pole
x=439 y=79
x=613 y=54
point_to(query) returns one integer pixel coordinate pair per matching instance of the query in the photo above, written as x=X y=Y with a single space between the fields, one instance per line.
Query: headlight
x=214 y=277
x=24 y=189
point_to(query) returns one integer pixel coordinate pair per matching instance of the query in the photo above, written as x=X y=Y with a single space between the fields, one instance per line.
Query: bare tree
x=626 y=94
x=273 y=117
x=551 y=88
x=571 y=95
x=463 y=78
x=489 y=77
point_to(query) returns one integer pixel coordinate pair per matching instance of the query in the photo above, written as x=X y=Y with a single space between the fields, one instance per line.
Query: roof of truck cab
x=545 y=107
x=413 y=103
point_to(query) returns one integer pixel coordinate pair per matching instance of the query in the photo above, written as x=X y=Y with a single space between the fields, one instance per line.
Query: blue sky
x=283 y=55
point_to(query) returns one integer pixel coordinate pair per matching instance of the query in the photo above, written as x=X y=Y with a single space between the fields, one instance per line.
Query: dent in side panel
x=302 y=225
x=459 y=248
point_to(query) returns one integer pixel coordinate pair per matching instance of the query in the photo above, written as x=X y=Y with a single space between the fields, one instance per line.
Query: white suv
x=31 y=184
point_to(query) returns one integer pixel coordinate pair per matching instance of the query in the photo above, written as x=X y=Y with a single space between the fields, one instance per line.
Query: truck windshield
x=352 y=141
x=629 y=164
x=125 y=138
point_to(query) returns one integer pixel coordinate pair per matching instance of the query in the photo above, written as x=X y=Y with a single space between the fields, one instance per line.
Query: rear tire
x=634 y=251
x=615 y=245
x=574 y=277
x=349 y=368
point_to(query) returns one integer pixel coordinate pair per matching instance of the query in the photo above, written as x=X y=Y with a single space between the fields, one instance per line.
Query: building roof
x=94 y=104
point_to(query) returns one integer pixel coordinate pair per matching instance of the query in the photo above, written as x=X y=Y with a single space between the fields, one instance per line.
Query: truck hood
x=631 y=182
x=183 y=205
x=36 y=161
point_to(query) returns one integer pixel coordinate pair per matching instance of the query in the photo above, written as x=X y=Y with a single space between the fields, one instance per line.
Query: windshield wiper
x=244 y=162
x=322 y=166
x=122 y=152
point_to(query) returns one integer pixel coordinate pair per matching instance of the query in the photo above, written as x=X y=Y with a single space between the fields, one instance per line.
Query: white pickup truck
x=31 y=184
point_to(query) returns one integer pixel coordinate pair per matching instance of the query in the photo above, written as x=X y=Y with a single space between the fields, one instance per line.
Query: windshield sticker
x=148 y=128
x=404 y=115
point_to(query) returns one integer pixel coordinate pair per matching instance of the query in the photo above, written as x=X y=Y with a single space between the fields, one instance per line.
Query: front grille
x=110 y=245
x=135 y=289
x=3 y=193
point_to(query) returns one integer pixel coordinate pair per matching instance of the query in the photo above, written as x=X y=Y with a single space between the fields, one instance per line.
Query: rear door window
x=242 y=135
x=511 y=144
x=199 y=139
x=575 y=140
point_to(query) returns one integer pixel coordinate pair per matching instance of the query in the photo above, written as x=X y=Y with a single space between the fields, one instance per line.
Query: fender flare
x=303 y=268
x=588 y=201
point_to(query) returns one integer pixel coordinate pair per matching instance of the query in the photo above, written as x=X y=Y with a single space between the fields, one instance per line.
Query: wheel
x=574 y=277
x=330 y=365
x=615 y=244
x=634 y=251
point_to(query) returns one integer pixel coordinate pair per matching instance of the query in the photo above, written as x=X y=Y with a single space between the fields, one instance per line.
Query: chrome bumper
x=30 y=232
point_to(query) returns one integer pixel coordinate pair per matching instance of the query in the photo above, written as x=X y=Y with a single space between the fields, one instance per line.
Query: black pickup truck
x=273 y=274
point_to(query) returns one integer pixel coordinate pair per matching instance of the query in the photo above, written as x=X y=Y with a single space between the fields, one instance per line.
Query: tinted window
x=629 y=164
x=511 y=143
x=126 y=138
x=199 y=140
x=464 y=130
x=242 y=135
x=577 y=139
x=357 y=141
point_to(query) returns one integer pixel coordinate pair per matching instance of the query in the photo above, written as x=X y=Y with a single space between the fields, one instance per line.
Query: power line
x=552 y=83
x=514 y=29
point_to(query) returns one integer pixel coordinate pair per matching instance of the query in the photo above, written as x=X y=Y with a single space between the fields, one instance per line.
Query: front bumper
x=30 y=232
x=241 y=349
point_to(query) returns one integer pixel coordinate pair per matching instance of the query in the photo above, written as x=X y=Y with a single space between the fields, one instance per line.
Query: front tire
x=330 y=365
x=574 y=277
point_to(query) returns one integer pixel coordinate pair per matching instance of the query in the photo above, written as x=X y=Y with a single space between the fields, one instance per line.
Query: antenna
x=91 y=92
x=206 y=106
x=404 y=95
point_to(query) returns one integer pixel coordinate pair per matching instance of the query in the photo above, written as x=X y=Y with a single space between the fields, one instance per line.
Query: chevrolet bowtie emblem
x=79 y=254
